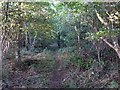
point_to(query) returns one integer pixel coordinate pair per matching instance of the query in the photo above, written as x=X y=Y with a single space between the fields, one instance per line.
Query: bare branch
x=109 y=44
x=102 y=20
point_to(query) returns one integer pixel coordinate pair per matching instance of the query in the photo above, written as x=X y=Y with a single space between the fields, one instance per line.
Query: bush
x=45 y=64
x=24 y=51
x=48 y=54
x=67 y=49
x=113 y=84
x=80 y=62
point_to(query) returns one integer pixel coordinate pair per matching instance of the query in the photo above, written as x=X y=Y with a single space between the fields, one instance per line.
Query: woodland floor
x=58 y=77
x=30 y=78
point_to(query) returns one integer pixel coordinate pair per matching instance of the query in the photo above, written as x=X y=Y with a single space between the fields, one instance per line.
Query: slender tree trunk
x=29 y=40
x=116 y=45
x=18 y=54
x=18 y=44
x=95 y=29
x=33 y=44
x=0 y=55
x=4 y=43
x=78 y=39
x=18 y=48
x=1 y=58
x=118 y=52
x=98 y=54
x=59 y=44
x=26 y=40
x=97 y=47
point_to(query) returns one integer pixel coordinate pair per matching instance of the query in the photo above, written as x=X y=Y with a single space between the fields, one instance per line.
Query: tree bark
x=34 y=40
x=96 y=43
x=78 y=39
x=0 y=54
x=27 y=41
x=4 y=43
x=115 y=44
x=18 y=43
x=59 y=44
x=18 y=55
x=118 y=52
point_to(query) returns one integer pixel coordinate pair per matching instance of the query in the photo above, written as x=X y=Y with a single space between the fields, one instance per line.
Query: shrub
x=80 y=62
x=24 y=51
x=113 y=84
x=45 y=64
x=67 y=49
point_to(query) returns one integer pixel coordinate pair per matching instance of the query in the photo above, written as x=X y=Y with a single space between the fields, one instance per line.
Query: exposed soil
x=22 y=78
x=31 y=78
x=57 y=75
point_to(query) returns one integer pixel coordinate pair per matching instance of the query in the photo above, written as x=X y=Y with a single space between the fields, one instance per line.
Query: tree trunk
x=18 y=44
x=26 y=41
x=17 y=53
x=98 y=54
x=59 y=44
x=34 y=40
x=78 y=39
x=4 y=43
x=0 y=55
x=115 y=44
x=118 y=52
x=96 y=43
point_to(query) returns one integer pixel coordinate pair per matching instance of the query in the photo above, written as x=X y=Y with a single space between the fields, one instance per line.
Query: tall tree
x=109 y=31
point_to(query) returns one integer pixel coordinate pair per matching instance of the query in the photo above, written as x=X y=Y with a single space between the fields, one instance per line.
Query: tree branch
x=101 y=19
x=109 y=44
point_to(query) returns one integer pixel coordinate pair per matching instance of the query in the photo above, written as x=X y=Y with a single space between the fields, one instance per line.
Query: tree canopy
x=63 y=38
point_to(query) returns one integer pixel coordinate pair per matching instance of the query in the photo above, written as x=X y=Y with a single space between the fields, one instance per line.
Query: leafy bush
x=113 y=84
x=67 y=49
x=48 y=54
x=63 y=54
x=45 y=64
x=71 y=84
x=24 y=51
x=10 y=54
x=80 y=62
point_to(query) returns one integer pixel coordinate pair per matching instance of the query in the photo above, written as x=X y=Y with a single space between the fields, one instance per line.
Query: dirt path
x=58 y=74
x=31 y=78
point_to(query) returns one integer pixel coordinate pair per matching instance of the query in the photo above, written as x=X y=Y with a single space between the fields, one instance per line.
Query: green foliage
x=102 y=34
x=113 y=84
x=48 y=54
x=12 y=21
x=108 y=54
x=67 y=50
x=80 y=62
x=24 y=51
x=45 y=65
x=43 y=61
x=54 y=23
x=66 y=59
x=71 y=84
